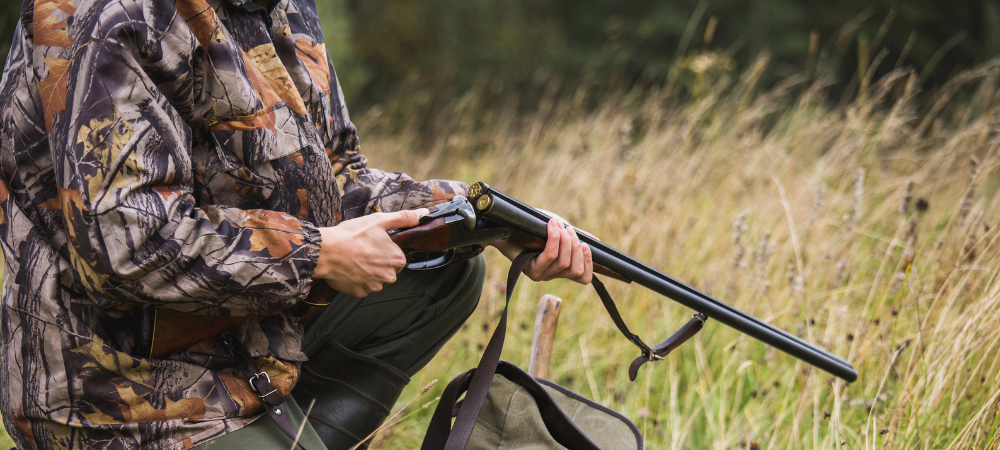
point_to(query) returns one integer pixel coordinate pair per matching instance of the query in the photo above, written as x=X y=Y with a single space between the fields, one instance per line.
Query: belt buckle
x=254 y=386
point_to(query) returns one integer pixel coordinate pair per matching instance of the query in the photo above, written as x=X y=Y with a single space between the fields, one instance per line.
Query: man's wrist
x=510 y=251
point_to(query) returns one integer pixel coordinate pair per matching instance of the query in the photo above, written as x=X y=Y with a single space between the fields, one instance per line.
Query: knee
x=477 y=269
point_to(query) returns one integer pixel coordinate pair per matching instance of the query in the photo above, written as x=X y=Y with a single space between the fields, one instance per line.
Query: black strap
x=479 y=385
x=274 y=403
x=616 y=317
x=660 y=350
x=440 y=427
x=440 y=433
x=656 y=352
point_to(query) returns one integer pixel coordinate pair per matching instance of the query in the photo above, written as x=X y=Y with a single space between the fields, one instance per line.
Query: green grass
x=825 y=254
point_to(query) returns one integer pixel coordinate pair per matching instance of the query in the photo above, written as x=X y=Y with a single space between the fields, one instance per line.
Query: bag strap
x=479 y=384
x=440 y=433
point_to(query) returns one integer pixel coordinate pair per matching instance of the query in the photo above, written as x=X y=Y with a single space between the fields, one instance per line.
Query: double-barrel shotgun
x=450 y=229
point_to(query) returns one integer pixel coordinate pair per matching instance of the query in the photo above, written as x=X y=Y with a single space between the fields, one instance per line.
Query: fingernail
x=423 y=212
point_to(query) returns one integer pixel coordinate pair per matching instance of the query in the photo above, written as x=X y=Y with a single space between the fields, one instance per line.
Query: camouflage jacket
x=165 y=154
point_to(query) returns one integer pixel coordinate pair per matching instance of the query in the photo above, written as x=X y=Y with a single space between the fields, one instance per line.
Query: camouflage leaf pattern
x=173 y=154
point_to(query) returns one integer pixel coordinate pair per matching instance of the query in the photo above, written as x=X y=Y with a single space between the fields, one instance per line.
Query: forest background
x=829 y=167
x=438 y=49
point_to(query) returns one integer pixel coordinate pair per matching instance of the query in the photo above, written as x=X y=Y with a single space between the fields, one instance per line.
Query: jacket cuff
x=312 y=243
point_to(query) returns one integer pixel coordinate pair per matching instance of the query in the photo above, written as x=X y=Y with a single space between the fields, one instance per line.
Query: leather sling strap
x=274 y=403
x=479 y=384
x=656 y=352
x=477 y=381
x=558 y=424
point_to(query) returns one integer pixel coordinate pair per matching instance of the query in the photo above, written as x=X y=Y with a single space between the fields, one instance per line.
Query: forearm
x=369 y=190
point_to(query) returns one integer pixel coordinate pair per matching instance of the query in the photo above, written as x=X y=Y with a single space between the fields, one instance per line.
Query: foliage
x=445 y=45
x=386 y=48
x=9 y=14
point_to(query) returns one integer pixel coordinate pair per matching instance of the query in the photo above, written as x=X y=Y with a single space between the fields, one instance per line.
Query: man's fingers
x=588 y=266
x=577 y=265
x=404 y=219
x=561 y=260
x=564 y=256
x=535 y=268
x=396 y=257
x=551 y=251
x=564 y=259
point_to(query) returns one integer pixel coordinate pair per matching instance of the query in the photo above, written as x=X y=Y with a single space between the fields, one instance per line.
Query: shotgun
x=451 y=229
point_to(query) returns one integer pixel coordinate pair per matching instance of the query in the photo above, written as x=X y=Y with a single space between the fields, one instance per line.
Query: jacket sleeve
x=366 y=190
x=123 y=164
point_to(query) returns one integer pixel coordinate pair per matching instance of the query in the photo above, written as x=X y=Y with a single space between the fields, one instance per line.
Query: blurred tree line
x=445 y=46
x=441 y=48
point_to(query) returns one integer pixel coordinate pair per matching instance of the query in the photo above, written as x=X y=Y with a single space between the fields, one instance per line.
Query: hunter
x=197 y=156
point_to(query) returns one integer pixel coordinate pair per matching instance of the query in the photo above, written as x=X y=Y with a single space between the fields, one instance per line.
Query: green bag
x=521 y=412
x=505 y=408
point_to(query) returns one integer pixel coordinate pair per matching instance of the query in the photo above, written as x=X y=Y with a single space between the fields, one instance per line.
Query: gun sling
x=477 y=381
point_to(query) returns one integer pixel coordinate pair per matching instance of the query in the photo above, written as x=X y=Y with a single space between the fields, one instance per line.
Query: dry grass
x=869 y=229
x=865 y=228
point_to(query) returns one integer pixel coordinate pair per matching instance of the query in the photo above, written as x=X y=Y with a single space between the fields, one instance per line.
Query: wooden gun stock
x=174 y=331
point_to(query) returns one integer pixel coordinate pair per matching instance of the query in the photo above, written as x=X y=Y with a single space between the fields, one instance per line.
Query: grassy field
x=869 y=228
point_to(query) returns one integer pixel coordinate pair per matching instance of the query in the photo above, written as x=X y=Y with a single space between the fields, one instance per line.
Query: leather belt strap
x=274 y=403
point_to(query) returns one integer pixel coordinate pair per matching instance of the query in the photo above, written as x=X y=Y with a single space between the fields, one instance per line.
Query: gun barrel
x=505 y=210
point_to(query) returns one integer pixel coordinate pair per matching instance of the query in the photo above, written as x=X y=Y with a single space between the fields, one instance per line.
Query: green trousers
x=405 y=325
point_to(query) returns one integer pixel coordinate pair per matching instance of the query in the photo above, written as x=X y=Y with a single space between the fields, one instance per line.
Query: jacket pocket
x=266 y=135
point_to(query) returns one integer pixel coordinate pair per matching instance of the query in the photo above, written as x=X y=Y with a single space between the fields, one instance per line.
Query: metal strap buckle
x=254 y=386
x=650 y=355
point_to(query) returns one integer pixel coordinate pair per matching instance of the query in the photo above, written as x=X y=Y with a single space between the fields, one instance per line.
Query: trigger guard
x=435 y=263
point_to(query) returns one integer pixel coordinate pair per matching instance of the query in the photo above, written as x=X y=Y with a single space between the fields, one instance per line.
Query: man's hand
x=564 y=256
x=358 y=257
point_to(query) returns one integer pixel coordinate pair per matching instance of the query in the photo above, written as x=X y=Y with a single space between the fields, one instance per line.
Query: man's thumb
x=405 y=218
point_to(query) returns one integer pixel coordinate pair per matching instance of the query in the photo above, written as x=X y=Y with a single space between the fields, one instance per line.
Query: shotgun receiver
x=451 y=229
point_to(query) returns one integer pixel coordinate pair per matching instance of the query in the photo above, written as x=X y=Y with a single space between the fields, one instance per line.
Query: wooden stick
x=544 y=335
